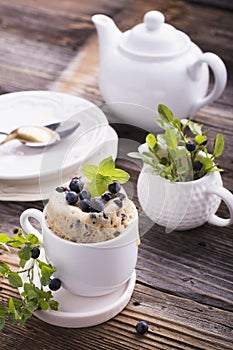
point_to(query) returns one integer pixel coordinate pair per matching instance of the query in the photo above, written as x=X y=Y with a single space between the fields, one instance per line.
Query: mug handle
x=220 y=77
x=27 y=226
x=227 y=197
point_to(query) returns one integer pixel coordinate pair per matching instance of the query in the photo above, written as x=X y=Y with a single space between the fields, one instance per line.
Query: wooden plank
x=38 y=40
x=184 y=279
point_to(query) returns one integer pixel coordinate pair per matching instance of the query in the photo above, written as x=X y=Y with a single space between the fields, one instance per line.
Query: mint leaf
x=4 y=238
x=135 y=155
x=25 y=252
x=89 y=171
x=44 y=305
x=102 y=183
x=176 y=123
x=46 y=273
x=170 y=138
x=200 y=139
x=120 y=175
x=207 y=163
x=53 y=304
x=195 y=128
x=106 y=166
x=4 y=269
x=218 y=145
x=15 y=280
x=32 y=305
x=151 y=142
x=32 y=239
x=165 y=112
x=13 y=309
x=103 y=175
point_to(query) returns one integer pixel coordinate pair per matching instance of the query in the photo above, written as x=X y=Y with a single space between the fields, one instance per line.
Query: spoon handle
x=11 y=136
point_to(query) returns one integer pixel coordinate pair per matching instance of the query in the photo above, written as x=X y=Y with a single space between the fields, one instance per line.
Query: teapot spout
x=108 y=33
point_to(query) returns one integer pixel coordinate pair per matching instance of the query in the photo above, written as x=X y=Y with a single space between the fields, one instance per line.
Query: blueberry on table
x=71 y=197
x=35 y=253
x=197 y=165
x=190 y=145
x=114 y=187
x=54 y=284
x=85 y=195
x=142 y=327
x=76 y=185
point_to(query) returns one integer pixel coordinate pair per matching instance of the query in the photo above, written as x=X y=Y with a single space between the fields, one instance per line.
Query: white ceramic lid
x=153 y=37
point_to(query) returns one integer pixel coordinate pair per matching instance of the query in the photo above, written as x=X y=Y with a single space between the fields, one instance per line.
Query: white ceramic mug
x=183 y=205
x=91 y=269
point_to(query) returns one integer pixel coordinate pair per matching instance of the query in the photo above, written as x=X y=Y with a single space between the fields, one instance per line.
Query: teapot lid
x=154 y=38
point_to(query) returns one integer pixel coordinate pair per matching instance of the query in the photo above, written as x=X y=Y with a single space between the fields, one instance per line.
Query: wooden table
x=184 y=287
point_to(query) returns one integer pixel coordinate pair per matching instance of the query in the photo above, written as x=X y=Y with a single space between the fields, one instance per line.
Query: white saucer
x=30 y=174
x=78 y=311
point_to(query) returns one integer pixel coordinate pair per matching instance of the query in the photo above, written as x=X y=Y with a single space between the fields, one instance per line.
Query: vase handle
x=227 y=197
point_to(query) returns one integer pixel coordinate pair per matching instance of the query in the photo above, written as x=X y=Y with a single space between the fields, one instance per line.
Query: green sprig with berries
x=180 y=153
x=33 y=297
x=103 y=175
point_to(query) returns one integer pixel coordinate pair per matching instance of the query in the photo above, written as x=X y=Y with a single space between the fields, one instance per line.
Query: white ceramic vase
x=183 y=205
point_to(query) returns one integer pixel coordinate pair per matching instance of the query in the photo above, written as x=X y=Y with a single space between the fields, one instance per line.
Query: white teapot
x=154 y=63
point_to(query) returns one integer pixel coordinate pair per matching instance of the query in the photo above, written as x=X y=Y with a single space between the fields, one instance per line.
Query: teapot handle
x=220 y=77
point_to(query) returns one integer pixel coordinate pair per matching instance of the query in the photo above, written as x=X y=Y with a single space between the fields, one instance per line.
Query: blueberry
x=142 y=327
x=72 y=197
x=76 y=185
x=197 y=165
x=190 y=145
x=85 y=204
x=97 y=205
x=60 y=189
x=121 y=196
x=118 y=203
x=54 y=284
x=114 y=187
x=107 y=196
x=35 y=253
x=85 y=195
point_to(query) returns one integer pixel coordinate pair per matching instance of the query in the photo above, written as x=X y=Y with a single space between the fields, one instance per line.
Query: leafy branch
x=103 y=175
x=33 y=297
x=180 y=153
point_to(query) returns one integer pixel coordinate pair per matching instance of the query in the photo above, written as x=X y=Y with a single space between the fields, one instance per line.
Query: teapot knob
x=153 y=20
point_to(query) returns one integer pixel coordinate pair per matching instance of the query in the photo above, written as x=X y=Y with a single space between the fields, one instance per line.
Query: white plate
x=77 y=311
x=24 y=169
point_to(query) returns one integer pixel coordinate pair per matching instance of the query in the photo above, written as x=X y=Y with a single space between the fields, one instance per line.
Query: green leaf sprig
x=33 y=297
x=180 y=153
x=103 y=175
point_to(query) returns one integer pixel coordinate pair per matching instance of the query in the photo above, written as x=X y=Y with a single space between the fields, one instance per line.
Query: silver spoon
x=38 y=136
